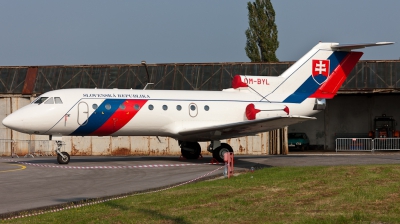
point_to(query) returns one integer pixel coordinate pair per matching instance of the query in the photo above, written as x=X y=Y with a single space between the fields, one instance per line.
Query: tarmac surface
x=29 y=183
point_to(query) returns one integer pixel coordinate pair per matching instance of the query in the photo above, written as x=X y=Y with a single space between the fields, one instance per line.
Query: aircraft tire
x=60 y=160
x=219 y=152
x=192 y=154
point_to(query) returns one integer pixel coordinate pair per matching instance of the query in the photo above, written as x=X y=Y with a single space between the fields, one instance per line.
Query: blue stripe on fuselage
x=309 y=87
x=98 y=117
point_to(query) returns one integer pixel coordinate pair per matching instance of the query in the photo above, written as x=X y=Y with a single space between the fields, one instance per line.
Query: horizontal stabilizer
x=348 y=47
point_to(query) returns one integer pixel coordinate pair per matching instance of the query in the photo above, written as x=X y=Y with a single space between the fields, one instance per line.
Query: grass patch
x=338 y=194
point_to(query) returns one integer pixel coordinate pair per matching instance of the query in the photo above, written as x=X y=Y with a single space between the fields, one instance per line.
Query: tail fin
x=318 y=74
x=330 y=87
x=326 y=75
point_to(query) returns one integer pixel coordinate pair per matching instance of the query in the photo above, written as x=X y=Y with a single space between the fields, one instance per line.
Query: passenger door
x=83 y=113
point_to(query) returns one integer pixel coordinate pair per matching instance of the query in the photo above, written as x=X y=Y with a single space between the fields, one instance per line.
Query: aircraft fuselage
x=119 y=112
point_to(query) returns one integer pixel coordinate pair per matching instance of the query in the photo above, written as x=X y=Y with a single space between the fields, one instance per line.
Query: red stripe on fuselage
x=120 y=118
x=338 y=76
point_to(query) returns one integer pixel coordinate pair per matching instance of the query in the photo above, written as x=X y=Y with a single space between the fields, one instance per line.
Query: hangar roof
x=366 y=77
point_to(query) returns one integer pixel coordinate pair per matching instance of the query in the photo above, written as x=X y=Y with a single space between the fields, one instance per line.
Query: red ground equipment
x=384 y=127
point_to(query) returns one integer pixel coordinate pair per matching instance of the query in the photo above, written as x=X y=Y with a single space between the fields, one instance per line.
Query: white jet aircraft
x=254 y=104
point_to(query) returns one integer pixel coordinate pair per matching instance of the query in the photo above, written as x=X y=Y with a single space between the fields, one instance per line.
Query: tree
x=262 y=34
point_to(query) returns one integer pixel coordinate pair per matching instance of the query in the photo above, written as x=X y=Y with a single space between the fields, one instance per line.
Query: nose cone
x=14 y=122
x=30 y=120
x=8 y=122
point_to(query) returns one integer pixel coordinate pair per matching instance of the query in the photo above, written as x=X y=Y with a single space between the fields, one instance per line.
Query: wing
x=239 y=129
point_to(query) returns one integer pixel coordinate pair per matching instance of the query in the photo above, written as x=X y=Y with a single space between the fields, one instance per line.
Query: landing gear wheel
x=190 y=150
x=219 y=152
x=64 y=160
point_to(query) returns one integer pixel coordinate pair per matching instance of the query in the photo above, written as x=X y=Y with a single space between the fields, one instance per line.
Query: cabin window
x=49 y=101
x=178 y=107
x=151 y=107
x=40 y=100
x=192 y=107
x=122 y=107
x=165 y=107
x=137 y=107
x=94 y=106
x=206 y=108
x=108 y=106
x=58 y=100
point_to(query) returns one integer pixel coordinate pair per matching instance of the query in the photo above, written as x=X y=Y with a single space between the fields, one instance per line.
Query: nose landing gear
x=62 y=157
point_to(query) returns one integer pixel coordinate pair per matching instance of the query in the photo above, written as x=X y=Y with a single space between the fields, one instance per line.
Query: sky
x=76 y=32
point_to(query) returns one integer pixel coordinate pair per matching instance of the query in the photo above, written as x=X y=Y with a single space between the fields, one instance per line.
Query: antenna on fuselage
x=148 y=76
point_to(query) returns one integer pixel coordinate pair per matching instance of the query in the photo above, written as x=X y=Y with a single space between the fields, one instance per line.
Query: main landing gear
x=192 y=150
x=62 y=157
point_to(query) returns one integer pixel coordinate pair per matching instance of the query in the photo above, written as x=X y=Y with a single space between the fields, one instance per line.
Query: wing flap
x=240 y=129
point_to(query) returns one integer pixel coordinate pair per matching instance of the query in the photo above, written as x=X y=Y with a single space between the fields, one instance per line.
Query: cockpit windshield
x=47 y=100
x=50 y=101
x=57 y=100
x=40 y=100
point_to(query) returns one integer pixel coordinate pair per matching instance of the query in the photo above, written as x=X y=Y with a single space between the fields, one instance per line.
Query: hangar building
x=372 y=89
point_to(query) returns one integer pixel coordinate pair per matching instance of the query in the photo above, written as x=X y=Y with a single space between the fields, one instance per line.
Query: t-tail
x=318 y=74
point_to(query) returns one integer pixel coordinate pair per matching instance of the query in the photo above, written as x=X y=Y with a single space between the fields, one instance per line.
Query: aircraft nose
x=13 y=122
